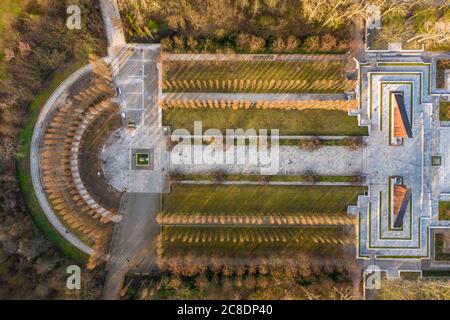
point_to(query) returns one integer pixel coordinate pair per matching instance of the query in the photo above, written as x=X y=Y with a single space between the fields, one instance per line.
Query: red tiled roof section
x=400 y=192
x=402 y=127
x=399 y=125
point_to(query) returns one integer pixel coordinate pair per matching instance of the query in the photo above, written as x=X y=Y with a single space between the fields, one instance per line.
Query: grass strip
x=259 y=199
x=288 y=122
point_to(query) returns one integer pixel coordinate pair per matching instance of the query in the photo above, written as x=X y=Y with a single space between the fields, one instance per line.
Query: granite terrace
x=392 y=161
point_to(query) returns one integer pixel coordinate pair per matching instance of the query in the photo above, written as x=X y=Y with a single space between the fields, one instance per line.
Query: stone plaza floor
x=378 y=240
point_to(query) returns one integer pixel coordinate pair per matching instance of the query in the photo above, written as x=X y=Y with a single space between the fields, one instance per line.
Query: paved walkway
x=113 y=25
x=445 y=154
x=325 y=161
x=133 y=246
x=281 y=137
x=136 y=70
x=270 y=183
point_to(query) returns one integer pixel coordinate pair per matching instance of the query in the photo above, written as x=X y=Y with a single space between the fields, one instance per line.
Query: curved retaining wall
x=41 y=123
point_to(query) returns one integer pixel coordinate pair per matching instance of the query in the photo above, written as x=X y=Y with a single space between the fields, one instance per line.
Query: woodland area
x=268 y=285
x=35 y=47
x=276 y=26
x=271 y=26
x=423 y=289
x=37 y=51
x=423 y=23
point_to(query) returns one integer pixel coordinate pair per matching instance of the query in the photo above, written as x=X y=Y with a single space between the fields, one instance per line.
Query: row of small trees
x=274 y=220
x=290 y=262
x=250 y=43
x=302 y=235
x=240 y=85
x=342 y=105
x=314 y=144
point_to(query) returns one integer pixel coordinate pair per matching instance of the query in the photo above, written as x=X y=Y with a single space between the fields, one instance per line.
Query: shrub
x=219 y=176
x=328 y=43
x=175 y=176
x=250 y=42
x=358 y=177
x=167 y=44
x=343 y=46
x=265 y=179
x=256 y=44
x=192 y=43
x=278 y=45
x=310 y=144
x=292 y=44
x=311 y=44
x=179 y=43
x=354 y=143
x=311 y=177
x=243 y=40
x=176 y=22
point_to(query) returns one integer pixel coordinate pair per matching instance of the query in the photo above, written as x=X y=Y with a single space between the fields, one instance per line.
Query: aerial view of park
x=224 y=150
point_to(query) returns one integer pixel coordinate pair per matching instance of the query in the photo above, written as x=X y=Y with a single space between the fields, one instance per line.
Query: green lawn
x=352 y=142
x=289 y=122
x=259 y=200
x=444 y=210
x=308 y=71
x=439 y=253
x=23 y=165
x=9 y=9
x=444 y=111
x=400 y=26
x=142 y=159
x=441 y=66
